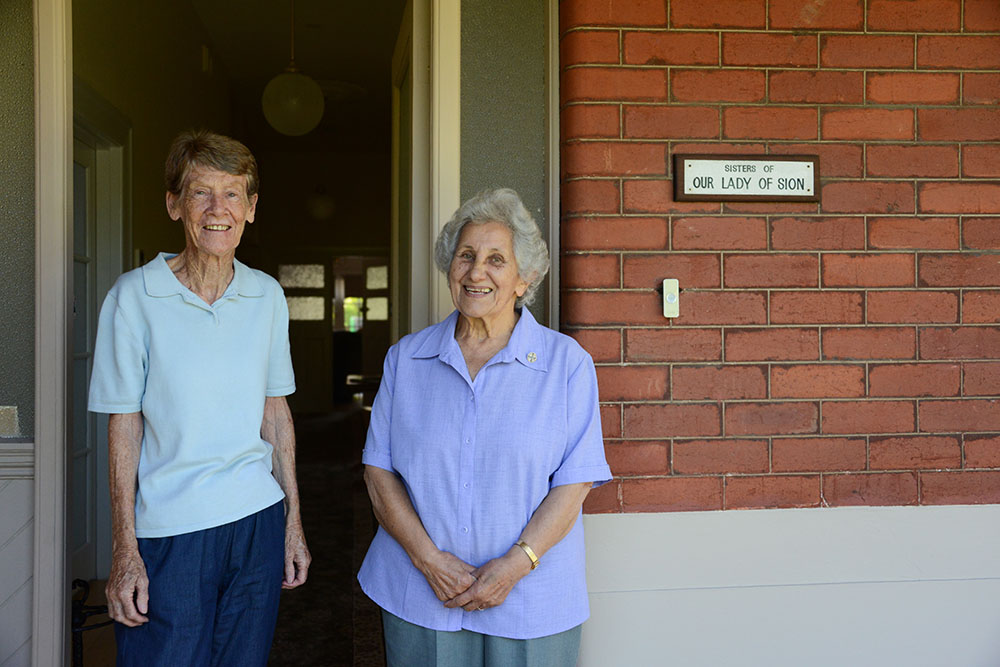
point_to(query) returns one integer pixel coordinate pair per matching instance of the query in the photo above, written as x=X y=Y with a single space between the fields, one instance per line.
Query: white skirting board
x=879 y=586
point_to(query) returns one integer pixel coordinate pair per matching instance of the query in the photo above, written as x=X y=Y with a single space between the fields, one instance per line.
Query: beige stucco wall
x=17 y=220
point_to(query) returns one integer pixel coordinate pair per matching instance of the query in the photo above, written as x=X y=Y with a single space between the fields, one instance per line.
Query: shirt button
x=465 y=529
x=467 y=485
x=468 y=440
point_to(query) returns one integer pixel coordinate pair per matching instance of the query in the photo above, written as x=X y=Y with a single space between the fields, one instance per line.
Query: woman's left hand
x=494 y=581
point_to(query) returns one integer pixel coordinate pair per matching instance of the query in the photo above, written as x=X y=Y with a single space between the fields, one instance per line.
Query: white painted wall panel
x=15 y=562
x=15 y=622
x=21 y=657
x=917 y=624
x=858 y=586
x=16 y=544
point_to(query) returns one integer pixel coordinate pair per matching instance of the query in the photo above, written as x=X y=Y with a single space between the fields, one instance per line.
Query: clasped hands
x=458 y=584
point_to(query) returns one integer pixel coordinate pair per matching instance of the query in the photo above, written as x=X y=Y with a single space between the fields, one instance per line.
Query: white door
x=410 y=186
x=100 y=213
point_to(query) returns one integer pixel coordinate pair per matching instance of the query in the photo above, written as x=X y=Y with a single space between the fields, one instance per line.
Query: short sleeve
x=584 y=459
x=378 y=446
x=118 y=380
x=280 y=376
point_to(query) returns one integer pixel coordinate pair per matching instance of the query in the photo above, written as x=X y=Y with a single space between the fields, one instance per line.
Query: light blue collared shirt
x=199 y=374
x=477 y=459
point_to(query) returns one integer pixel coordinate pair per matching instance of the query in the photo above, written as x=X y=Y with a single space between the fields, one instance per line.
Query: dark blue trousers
x=213 y=595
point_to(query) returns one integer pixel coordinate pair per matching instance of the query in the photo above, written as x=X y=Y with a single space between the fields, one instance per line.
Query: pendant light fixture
x=293 y=102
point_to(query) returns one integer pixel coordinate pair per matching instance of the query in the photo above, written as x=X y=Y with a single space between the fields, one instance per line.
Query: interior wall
x=338 y=200
x=152 y=61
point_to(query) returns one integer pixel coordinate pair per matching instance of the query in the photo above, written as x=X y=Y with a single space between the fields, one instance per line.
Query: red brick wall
x=845 y=353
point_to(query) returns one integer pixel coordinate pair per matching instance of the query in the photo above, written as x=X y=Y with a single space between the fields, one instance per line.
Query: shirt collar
x=526 y=344
x=160 y=281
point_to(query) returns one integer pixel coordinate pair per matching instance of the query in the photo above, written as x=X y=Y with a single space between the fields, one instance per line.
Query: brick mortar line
x=914 y=180
x=760 y=290
x=764 y=252
x=764 y=400
x=797 y=143
x=737 y=67
x=802 y=473
x=674 y=216
x=798 y=31
x=806 y=362
x=773 y=69
x=713 y=103
x=615 y=442
x=760 y=327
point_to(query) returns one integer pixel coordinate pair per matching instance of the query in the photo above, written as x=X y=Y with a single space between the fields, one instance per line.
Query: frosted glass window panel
x=378 y=308
x=306 y=308
x=377 y=277
x=301 y=275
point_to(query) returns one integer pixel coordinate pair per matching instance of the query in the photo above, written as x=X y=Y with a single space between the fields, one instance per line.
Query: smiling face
x=214 y=208
x=483 y=276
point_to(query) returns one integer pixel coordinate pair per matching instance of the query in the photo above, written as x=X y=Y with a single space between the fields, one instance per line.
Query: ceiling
x=345 y=45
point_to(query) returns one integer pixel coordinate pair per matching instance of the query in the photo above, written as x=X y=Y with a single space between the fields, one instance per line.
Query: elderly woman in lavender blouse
x=484 y=441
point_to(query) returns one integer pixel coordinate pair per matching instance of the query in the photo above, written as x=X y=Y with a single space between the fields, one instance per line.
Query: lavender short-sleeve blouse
x=477 y=458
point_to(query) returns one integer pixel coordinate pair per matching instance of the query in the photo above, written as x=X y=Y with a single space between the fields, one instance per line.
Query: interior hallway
x=329 y=621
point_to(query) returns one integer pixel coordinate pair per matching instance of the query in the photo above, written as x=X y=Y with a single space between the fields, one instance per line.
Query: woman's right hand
x=448 y=575
x=127 y=589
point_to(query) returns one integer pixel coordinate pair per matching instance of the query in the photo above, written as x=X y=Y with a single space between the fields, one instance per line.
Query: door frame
x=552 y=174
x=429 y=41
x=53 y=51
x=53 y=61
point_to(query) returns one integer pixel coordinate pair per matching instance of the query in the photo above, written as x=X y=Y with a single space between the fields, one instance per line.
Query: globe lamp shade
x=293 y=103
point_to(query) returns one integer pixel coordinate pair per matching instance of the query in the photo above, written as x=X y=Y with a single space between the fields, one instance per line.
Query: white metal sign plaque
x=746 y=177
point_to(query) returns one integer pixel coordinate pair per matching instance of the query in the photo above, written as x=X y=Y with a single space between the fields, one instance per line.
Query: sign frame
x=679 y=168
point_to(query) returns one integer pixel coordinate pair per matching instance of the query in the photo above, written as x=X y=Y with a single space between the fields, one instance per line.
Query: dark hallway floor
x=329 y=621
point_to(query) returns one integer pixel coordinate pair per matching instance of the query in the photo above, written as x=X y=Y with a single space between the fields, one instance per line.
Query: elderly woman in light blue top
x=484 y=441
x=192 y=363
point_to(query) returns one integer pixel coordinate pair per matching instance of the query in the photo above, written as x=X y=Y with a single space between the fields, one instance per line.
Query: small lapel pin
x=532 y=357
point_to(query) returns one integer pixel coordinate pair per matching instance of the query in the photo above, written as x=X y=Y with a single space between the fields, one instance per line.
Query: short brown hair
x=207 y=149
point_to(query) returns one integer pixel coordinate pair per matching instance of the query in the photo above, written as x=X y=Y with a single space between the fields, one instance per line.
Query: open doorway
x=323 y=225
